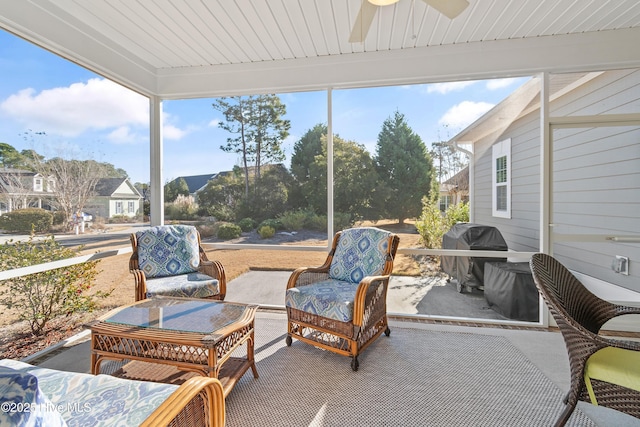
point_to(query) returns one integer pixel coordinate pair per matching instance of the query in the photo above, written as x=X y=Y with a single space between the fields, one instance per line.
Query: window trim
x=499 y=150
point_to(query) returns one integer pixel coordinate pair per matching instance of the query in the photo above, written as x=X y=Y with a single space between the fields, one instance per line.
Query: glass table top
x=200 y=316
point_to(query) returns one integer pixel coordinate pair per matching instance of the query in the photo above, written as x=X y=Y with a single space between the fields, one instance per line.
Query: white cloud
x=463 y=114
x=444 y=88
x=173 y=132
x=214 y=123
x=123 y=135
x=500 y=83
x=98 y=104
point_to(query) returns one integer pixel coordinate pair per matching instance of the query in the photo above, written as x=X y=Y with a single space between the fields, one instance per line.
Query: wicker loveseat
x=341 y=306
x=30 y=395
x=168 y=260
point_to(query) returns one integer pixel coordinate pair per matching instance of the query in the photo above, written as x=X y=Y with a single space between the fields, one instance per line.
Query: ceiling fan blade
x=363 y=22
x=449 y=8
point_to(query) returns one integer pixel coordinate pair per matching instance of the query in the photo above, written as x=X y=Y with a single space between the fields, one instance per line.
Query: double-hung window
x=445 y=201
x=501 y=170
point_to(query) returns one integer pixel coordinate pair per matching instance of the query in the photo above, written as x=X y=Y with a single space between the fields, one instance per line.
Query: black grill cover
x=510 y=290
x=469 y=271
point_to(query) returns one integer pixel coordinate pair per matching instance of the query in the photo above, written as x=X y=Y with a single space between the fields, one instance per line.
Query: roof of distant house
x=196 y=182
x=108 y=186
x=459 y=181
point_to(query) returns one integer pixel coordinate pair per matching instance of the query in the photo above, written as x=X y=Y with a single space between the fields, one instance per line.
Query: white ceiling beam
x=503 y=58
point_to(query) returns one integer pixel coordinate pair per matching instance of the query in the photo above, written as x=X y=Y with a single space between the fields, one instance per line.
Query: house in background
x=195 y=183
x=455 y=190
x=114 y=197
x=594 y=175
x=20 y=189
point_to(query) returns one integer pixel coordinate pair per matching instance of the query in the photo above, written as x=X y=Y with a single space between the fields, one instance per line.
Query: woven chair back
x=565 y=293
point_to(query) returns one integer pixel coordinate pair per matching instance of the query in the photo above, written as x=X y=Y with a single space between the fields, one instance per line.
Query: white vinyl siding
x=501 y=196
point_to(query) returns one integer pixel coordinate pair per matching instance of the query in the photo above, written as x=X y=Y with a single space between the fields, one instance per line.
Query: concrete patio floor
x=406 y=295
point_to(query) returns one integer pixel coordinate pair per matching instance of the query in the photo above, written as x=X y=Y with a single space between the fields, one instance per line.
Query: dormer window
x=37 y=184
x=51 y=186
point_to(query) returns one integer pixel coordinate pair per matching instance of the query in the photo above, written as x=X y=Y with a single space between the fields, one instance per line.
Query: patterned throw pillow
x=168 y=250
x=361 y=252
x=23 y=403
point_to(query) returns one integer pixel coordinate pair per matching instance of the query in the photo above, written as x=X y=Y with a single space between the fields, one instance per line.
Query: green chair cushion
x=614 y=365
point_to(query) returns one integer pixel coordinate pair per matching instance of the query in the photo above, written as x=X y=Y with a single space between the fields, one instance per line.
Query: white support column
x=546 y=167
x=546 y=200
x=330 y=230
x=156 y=159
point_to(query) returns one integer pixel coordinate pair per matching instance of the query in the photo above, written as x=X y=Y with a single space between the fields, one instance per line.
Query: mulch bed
x=17 y=341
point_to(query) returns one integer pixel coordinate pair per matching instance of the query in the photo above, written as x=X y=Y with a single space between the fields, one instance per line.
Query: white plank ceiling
x=154 y=45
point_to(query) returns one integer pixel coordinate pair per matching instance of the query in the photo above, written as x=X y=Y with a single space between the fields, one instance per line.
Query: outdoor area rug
x=412 y=378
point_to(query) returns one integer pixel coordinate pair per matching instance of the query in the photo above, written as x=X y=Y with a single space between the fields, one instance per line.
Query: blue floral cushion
x=168 y=250
x=97 y=400
x=327 y=298
x=360 y=252
x=23 y=403
x=193 y=285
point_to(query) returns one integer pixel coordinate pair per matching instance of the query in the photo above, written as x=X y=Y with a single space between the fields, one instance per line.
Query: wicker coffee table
x=172 y=339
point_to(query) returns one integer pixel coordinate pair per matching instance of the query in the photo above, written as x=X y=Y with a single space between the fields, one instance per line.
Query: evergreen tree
x=404 y=167
x=354 y=178
x=304 y=156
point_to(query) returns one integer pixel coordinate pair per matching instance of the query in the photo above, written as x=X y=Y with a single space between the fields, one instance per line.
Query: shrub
x=122 y=219
x=432 y=224
x=455 y=214
x=27 y=220
x=316 y=222
x=342 y=221
x=266 y=232
x=207 y=230
x=59 y=218
x=293 y=220
x=273 y=223
x=184 y=207
x=228 y=231
x=39 y=297
x=247 y=224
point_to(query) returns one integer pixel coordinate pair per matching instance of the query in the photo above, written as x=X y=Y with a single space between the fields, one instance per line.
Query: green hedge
x=228 y=231
x=25 y=220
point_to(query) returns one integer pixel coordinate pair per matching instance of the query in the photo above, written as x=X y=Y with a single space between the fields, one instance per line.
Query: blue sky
x=87 y=117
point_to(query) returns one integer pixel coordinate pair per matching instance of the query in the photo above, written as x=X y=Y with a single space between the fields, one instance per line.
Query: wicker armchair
x=341 y=306
x=168 y=260
x=580 y=315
